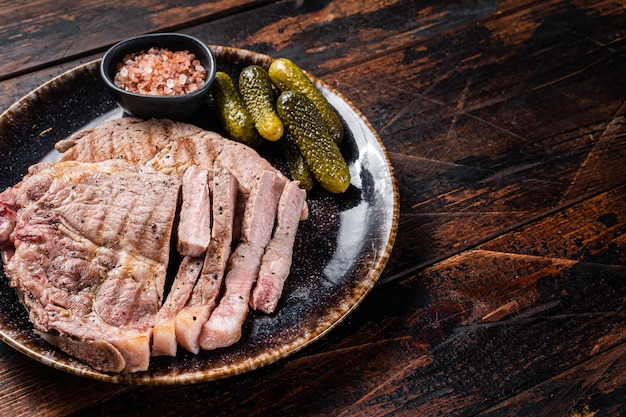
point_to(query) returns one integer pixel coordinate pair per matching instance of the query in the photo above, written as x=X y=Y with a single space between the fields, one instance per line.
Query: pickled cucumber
x=258 y=95
x=304 y=123
x=288 y=76
x=232 y=113
x=299 y=169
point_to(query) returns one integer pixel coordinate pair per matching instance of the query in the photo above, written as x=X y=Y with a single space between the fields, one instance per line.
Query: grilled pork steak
x=90 y=252
x=85 y=241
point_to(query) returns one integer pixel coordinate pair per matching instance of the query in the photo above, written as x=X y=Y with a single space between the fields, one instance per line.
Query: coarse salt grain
x=160 y=71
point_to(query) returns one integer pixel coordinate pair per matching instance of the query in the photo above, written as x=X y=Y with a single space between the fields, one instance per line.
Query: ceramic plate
x=340 y=250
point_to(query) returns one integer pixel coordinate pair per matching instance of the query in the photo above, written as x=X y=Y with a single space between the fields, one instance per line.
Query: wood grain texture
x=29 y=388
x=35 y=34
x=505 y=122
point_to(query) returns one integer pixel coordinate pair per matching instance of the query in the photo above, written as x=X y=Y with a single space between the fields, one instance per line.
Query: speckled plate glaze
x=340 y=250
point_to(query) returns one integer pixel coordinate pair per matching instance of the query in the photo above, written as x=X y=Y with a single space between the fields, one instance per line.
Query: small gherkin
x=304 y=123
x=298 y=167
x=257 y=91
x=286 y=75
x=232 y=113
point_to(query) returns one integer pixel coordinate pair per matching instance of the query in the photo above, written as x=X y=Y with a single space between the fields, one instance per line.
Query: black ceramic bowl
x=178 y=107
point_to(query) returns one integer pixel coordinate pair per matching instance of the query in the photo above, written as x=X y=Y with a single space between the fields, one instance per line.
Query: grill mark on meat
x=132 y=292
x=126 y=138
x=276 y=261
x=123 y=278
x=224 y=326
x=164 y=330
x=203 y=299
x=194 y=146
x=199 y=150
x=111 y=213
x=149 y=231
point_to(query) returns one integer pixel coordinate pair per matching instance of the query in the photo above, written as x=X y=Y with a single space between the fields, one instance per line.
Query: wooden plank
x=592 y=231
x=37 y=33
x=595 y=387
x=29 y=388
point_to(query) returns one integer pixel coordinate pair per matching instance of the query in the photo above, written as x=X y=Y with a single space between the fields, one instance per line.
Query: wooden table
x=506 y=126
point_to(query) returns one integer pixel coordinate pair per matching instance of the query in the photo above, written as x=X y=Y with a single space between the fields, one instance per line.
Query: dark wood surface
x=505 y=122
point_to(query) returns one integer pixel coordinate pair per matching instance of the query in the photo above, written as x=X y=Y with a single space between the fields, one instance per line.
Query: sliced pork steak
x=88 y=254
x=276 y=261
x=171 y=148
x=224 y=326
x=85 y=241
x=204 y=297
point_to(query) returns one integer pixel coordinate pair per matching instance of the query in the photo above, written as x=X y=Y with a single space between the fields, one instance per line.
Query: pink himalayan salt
x=160 y=72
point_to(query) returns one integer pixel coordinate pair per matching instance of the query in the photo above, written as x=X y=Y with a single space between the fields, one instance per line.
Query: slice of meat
x=276 y=262
x=91 y=249
x=194 y=228
x=128 y=138
x=204 y=297
x=164 y=330
x=224 y=327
